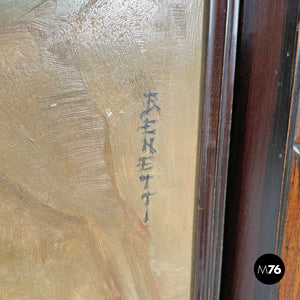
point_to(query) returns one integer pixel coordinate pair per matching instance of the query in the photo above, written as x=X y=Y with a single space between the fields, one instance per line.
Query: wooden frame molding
x=259 y=150
x=221 y=26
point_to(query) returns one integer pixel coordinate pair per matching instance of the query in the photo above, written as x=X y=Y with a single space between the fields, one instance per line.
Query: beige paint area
x=72 y=81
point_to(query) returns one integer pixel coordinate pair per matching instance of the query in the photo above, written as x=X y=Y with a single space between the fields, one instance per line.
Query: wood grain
x=258 y=154
x=289 y=286
x=219 y=66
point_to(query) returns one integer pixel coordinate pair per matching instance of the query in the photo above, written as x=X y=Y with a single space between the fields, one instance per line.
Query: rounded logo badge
x=269 y=268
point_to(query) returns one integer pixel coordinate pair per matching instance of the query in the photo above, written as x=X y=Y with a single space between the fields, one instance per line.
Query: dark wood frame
x=252 y=68
x=262 y=126
x=220 y=25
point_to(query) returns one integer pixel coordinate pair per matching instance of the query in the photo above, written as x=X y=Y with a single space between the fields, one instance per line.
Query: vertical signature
x=148 y=128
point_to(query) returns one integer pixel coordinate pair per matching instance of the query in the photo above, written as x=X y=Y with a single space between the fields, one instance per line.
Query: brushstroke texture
x=71 y=76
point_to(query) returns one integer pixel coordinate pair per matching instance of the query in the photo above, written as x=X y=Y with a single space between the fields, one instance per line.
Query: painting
x=99 y=128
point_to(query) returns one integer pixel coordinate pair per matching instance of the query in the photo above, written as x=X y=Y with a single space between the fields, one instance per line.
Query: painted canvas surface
x=99 y=114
